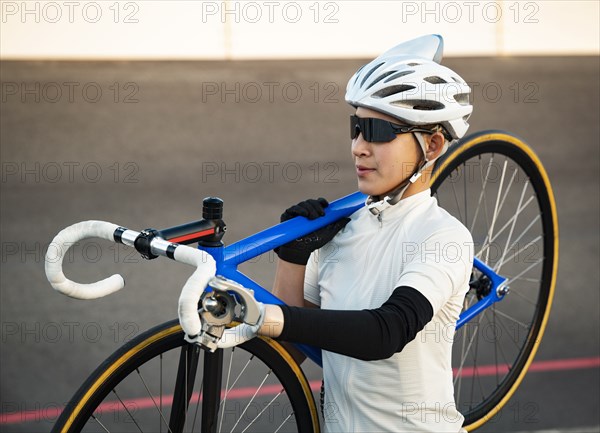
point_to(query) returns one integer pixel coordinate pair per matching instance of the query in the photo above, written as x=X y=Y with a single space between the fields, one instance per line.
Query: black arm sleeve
x=365 y=334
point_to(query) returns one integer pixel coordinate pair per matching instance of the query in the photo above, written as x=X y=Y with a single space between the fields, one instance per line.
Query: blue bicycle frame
x=229 y=257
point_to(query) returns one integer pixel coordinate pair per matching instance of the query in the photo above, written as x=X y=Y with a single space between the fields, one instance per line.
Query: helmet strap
x=376 y=207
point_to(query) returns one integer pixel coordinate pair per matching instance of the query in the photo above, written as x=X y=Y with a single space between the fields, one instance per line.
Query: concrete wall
x=288 y=29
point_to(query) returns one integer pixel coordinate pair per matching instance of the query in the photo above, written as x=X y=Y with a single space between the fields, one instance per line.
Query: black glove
x=299 y=251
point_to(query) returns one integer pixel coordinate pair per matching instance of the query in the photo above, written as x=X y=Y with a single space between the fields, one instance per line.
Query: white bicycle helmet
x=408 y=83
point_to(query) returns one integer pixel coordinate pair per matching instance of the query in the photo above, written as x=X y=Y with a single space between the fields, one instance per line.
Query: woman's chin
x=368 y=189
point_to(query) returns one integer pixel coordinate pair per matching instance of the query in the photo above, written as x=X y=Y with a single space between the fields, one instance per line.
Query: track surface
x=194 y=132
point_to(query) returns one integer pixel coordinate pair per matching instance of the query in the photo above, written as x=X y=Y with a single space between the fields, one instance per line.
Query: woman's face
x=382 y=167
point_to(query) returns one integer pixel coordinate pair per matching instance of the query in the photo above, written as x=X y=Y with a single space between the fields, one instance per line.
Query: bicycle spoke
x=127 y=410
x=496 y=345
x=515 y=243
x=239 y=375
x=495 y=215
x=465 y=352
x=268 y=405
x=502 y=201
x=520 y=295
x=459 y=371
x=224 y=401
x=512 y=228
x=101 y=425
x=252 y=399
x=508 y=187
x=516 y=277
x=524 y=279
x=526 y=229
x=284 y=421
x=482 y=193
x=457 y=205
x=153 y=400
x=503 y=325
x=197 y=405
x=459 y=375
x=516 y=253
x=518 y=322
x=476 y=376
x=507 y=224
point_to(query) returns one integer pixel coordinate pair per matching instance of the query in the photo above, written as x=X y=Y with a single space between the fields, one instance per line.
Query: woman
x=383 y=307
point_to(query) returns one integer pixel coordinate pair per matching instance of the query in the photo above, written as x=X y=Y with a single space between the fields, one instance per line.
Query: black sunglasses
x=376 y=130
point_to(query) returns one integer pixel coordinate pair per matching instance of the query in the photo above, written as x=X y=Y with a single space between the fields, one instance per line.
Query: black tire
x=492 y=353
x=107 y=401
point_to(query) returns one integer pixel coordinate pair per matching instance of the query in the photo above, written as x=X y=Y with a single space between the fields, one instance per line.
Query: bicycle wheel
x=159 y=383
x=496 y=186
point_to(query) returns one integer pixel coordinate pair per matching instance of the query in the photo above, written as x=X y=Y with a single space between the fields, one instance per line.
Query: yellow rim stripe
x=518 y=143
x=113 y=367
x=173 y=330
x=301 y=378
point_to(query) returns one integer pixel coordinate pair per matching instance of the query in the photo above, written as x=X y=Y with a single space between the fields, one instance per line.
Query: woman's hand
x=299 y=250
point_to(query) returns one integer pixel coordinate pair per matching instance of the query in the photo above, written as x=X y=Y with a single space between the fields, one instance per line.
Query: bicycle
x=274 y=395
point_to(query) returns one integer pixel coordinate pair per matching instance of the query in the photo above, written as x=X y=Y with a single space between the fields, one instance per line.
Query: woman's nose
x=360 y=147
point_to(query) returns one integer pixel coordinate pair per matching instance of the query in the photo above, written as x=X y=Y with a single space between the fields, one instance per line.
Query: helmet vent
x=462 y=98
x=413 y=64
x=392 y=90
x=435 y=80
x=378 y=79
x=421 y=105
x=398 y=75
x=370 y=72
x=456 y=79
x=358 y=74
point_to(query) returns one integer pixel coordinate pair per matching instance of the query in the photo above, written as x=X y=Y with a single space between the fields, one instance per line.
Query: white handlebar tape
x=206 y=268
x=58 y=249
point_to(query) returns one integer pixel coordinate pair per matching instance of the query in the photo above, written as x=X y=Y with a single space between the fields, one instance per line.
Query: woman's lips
x=363 y=171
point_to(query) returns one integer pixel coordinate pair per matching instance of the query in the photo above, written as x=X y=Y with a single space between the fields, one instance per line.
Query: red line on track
x=51 y=412
x=539 y=366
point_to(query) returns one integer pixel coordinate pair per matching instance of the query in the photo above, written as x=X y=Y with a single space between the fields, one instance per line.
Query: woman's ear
x=435 y=145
